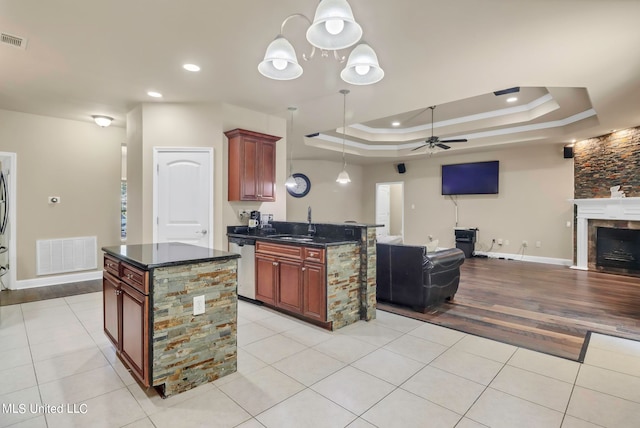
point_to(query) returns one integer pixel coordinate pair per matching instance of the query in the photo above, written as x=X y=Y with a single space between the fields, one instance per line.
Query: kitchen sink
x=297 y=238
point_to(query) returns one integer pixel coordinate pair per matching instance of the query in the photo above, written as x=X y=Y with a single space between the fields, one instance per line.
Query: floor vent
x=65 y=255
x=15 y=41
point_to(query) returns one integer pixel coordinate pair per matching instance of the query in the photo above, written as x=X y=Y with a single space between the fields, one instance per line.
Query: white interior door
x=383 y=212
x=183 y=196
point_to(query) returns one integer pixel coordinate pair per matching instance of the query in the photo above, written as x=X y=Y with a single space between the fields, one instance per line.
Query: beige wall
x=77 y=161
x=536 y=184
x=331 y=202
x=195 y=125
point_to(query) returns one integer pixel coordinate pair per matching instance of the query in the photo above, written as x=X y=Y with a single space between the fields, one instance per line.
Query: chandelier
x=333 y=28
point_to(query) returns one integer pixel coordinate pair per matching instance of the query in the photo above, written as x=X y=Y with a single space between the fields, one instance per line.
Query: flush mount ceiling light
x=102 y=121
x=343 y=177
x=291 y=181
x=512 y=99
x=332 y=29
x=154 y=94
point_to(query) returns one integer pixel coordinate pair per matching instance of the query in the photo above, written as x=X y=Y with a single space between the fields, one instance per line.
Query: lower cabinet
x=314 y=304
x=266 y=276
x=291 y=278
x=134 y=342
x=126 y=315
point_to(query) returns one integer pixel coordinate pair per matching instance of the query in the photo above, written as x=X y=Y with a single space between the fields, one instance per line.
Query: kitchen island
x=323 y=273
x=152 y=293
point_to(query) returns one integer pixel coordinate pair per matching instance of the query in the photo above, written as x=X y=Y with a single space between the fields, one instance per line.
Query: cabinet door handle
x=303 y=269
x=275 y=263
x=129 y=276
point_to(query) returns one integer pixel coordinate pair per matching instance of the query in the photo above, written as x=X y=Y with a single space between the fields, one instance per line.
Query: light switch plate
x=198 y=305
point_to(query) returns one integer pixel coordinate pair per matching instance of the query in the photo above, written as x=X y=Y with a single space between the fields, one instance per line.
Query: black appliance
x=254 y=219
x=466 y=241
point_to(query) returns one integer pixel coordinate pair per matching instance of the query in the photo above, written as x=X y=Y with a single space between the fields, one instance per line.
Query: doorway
x=183 y=196
x=8 y=200
x=390 y=209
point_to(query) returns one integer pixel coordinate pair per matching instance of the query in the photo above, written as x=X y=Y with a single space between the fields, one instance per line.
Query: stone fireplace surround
x=601 y=212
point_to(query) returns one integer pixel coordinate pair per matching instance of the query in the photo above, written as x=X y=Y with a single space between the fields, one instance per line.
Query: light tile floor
x=391 y=372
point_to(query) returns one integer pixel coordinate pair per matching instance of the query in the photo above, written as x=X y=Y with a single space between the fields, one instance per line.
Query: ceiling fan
x=434 y=141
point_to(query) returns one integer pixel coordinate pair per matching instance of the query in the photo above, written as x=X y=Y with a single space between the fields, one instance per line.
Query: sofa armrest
x=443 y=260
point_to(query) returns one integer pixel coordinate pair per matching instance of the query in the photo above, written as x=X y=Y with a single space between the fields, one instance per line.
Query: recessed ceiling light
x=396 y=123
x=512 y=99
x=191 y=67
x=154 y=94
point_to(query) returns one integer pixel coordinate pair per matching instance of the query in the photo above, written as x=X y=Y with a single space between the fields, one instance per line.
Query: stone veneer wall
x=343 y=285
x=368 y=282
x=191 y=350
x=606 y=161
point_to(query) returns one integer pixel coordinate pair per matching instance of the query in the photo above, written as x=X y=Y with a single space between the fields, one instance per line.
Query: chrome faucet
x=311 y=229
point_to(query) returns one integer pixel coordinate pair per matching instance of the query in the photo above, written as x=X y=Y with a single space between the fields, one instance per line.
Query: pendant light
x=343 y=177
x=291 y=181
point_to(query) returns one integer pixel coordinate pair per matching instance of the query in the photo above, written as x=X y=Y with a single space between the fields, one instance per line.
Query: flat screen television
x=476 y=178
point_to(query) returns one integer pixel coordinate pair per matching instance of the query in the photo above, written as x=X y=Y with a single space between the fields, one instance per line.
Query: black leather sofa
x=408 y=275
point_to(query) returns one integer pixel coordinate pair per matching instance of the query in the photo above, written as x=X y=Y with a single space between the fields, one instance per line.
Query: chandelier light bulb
x=334 y=26
x=279 y=64
x=362 y=69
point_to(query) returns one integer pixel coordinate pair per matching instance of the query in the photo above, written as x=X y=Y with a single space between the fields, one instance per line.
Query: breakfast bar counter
x=170 y=310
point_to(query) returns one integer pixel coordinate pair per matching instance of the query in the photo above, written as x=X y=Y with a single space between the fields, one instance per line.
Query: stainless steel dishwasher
x=246 y=247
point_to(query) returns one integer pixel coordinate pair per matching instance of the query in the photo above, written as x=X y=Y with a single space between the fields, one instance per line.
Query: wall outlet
x=538 y=244
x=499 y=241
x=198 y=305
x=506 y=242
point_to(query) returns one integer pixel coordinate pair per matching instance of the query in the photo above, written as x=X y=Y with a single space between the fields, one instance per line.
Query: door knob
x=203 y=232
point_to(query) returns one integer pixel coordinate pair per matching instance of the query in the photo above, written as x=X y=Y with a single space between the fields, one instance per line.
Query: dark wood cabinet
x=289 y=288
x=314 y=292
x=266 y=278
x=126 y=314
x=292 y=278
x=110 y=292
x=134 y=342
x=252 y=166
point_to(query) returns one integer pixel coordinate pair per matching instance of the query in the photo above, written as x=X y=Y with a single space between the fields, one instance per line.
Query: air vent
x=15 y=41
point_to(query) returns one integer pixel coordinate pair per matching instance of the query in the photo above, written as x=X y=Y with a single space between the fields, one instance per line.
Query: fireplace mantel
x=600 y=209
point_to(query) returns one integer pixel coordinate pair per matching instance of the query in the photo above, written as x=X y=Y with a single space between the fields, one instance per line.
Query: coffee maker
x=254 y=219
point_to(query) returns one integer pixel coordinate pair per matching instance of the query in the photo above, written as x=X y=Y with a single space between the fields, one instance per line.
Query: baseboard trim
x=525 y=258
x=58 y=279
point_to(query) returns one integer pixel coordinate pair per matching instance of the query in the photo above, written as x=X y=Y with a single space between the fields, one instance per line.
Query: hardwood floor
x=542 y=307
x=13 y=297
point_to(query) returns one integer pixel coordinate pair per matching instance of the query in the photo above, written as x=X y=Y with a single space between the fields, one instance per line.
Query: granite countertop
x=148 y=256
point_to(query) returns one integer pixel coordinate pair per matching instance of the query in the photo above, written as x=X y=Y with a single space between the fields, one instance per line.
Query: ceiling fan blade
x=418 y=148
x=461 y=140
x=443 y=146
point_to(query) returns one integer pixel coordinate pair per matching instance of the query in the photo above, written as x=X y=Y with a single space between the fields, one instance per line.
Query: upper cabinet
x=252 y=166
